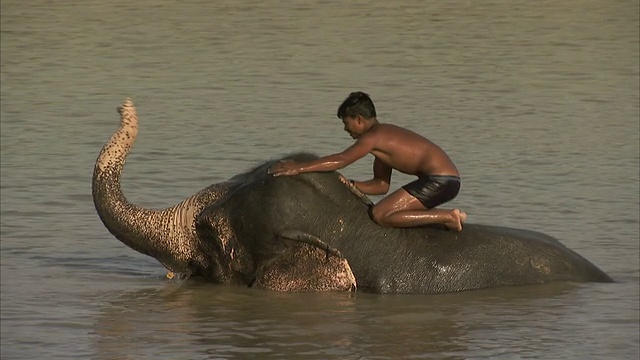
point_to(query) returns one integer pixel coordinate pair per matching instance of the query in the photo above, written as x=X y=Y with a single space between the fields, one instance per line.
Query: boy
x=394 y=148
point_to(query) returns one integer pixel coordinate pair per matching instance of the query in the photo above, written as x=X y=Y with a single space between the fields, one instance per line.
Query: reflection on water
x=536 y=102
x=235 y=322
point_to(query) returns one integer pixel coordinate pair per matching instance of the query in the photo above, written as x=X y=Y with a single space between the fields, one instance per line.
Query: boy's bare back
x=407 y=151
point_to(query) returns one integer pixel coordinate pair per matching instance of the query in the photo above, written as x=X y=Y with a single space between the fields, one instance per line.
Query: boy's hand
x=284 y=168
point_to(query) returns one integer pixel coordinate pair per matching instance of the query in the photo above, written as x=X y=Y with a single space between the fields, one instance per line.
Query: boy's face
x=353 y=125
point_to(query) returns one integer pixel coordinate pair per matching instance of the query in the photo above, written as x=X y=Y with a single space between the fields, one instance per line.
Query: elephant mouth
x=179 y=276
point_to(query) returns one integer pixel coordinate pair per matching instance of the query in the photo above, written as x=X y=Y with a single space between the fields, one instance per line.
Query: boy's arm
x=326 y=163
x=381 y=180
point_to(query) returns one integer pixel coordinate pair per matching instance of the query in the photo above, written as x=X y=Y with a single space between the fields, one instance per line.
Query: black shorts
x=434 y=190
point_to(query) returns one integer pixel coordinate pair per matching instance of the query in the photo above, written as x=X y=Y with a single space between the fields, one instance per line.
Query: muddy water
x=536 y=102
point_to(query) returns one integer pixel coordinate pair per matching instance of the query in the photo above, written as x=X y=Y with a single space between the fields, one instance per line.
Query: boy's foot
x=458 y=218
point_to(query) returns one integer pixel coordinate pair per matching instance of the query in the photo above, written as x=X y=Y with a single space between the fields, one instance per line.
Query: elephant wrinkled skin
x=312 y=232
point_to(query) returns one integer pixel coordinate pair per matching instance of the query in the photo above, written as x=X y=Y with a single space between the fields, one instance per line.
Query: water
x=536 y=102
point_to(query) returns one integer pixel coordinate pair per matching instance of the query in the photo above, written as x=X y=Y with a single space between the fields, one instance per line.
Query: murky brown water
x=536 y=102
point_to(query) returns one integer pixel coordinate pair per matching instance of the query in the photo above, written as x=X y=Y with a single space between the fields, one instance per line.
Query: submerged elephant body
x=313 y=232
x=320 y=206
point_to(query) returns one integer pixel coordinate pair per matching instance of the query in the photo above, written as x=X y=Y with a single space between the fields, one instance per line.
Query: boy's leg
x=401 y=209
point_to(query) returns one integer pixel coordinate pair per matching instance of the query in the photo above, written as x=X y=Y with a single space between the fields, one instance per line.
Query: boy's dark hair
x=358 y=103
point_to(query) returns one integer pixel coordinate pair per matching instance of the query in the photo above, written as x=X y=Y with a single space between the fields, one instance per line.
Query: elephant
x=313 y=232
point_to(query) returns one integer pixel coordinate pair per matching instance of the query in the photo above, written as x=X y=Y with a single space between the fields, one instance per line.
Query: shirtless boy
x=394 y=148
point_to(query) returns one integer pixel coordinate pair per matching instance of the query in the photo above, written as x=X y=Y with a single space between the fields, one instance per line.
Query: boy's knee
x=378 y=215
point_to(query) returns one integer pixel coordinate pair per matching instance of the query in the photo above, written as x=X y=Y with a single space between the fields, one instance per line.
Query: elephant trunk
x=127 y=222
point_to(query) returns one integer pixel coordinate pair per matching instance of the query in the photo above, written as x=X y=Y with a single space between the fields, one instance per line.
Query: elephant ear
x=306 y=265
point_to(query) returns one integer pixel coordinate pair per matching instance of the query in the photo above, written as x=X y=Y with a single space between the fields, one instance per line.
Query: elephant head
x=199 y=236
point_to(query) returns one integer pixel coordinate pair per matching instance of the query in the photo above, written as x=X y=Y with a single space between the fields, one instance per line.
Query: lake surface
x=536 y=102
